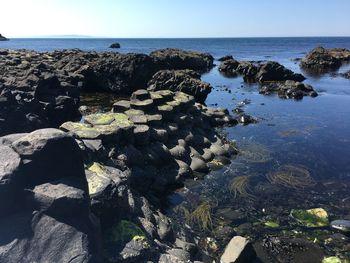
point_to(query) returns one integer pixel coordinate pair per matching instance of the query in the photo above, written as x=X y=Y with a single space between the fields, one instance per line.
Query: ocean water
x=312 y=134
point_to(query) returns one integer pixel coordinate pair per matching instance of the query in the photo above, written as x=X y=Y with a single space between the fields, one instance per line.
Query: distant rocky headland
x=2 y=38
x=78 y=187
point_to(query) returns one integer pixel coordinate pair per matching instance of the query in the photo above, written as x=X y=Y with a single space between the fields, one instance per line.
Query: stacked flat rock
x=144 y=135
x=42 y=89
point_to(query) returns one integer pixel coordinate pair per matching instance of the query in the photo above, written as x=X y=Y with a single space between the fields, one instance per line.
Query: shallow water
x=313 y=133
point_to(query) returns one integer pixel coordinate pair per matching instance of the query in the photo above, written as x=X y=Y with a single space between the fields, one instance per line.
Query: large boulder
x=321 y=59
x=187 y=81
x=257 y=71
x=171 y=58
x=37 y=237
x=273 y=71
x=48 y=154
x=44 y=203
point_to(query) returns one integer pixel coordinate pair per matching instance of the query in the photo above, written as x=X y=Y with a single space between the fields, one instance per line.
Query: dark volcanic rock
x=228 y=66
x=2 y=38
x=273 y=71
x=272 y=76
x=114 y=45
x=39 y=90
x=224 y=58
x=344 y=75
x=321 y=60
x=260 y=72
x=49 y=219
x=187 y=81
x=171 y=58
x=288 y=89
x=282 y=249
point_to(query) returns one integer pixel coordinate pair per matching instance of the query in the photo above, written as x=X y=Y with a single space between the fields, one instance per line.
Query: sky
x=174 y=18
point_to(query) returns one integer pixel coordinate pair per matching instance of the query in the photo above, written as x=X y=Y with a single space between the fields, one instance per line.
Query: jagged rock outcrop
x=39 y=90
x=288 y=89
x=45 y=207
x=187 y=81
x=260 y=72
x=321 y=60
x=171 y=58
x=272 y=77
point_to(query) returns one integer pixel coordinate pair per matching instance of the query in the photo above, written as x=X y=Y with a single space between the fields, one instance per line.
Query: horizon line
x=209 y=37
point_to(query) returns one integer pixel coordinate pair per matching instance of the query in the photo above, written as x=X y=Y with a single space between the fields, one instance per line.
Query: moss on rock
x=316 y=217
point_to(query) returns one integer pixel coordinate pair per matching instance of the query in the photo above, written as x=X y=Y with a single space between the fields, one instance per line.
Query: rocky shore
x=78 y=187
x=39 y=90
x=272 y=77
x=103 y=202
x=321 y=60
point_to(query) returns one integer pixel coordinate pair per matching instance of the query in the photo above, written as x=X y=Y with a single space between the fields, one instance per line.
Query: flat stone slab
x=142 y=104
x=118 y=119
x=139 y=119
x=133 y=112
x=80 y=130
x=140 y=94
x=121 y=106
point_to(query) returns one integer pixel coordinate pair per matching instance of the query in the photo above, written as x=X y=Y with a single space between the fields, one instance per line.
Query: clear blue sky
x=175 y=18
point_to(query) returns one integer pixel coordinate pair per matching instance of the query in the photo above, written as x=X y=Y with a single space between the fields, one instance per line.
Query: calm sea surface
x=312 y=134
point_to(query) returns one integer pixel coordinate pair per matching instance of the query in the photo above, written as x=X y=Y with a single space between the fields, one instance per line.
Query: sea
x=297 y=155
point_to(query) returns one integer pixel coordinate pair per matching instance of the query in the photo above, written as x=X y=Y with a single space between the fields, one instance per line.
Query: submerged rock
x=283 y=249
x=331 y=260
x=321 y=59
x=316 y=217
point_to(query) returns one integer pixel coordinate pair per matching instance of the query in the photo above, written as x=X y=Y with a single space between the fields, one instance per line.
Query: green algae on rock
x=332 y=260
x=117 y=119
x=316 y=217
x=125 y=231
x=80 y=130
x=125 y=240
x=271 y=224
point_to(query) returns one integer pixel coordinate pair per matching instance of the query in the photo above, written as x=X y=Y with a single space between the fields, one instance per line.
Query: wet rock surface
x=321 y=60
